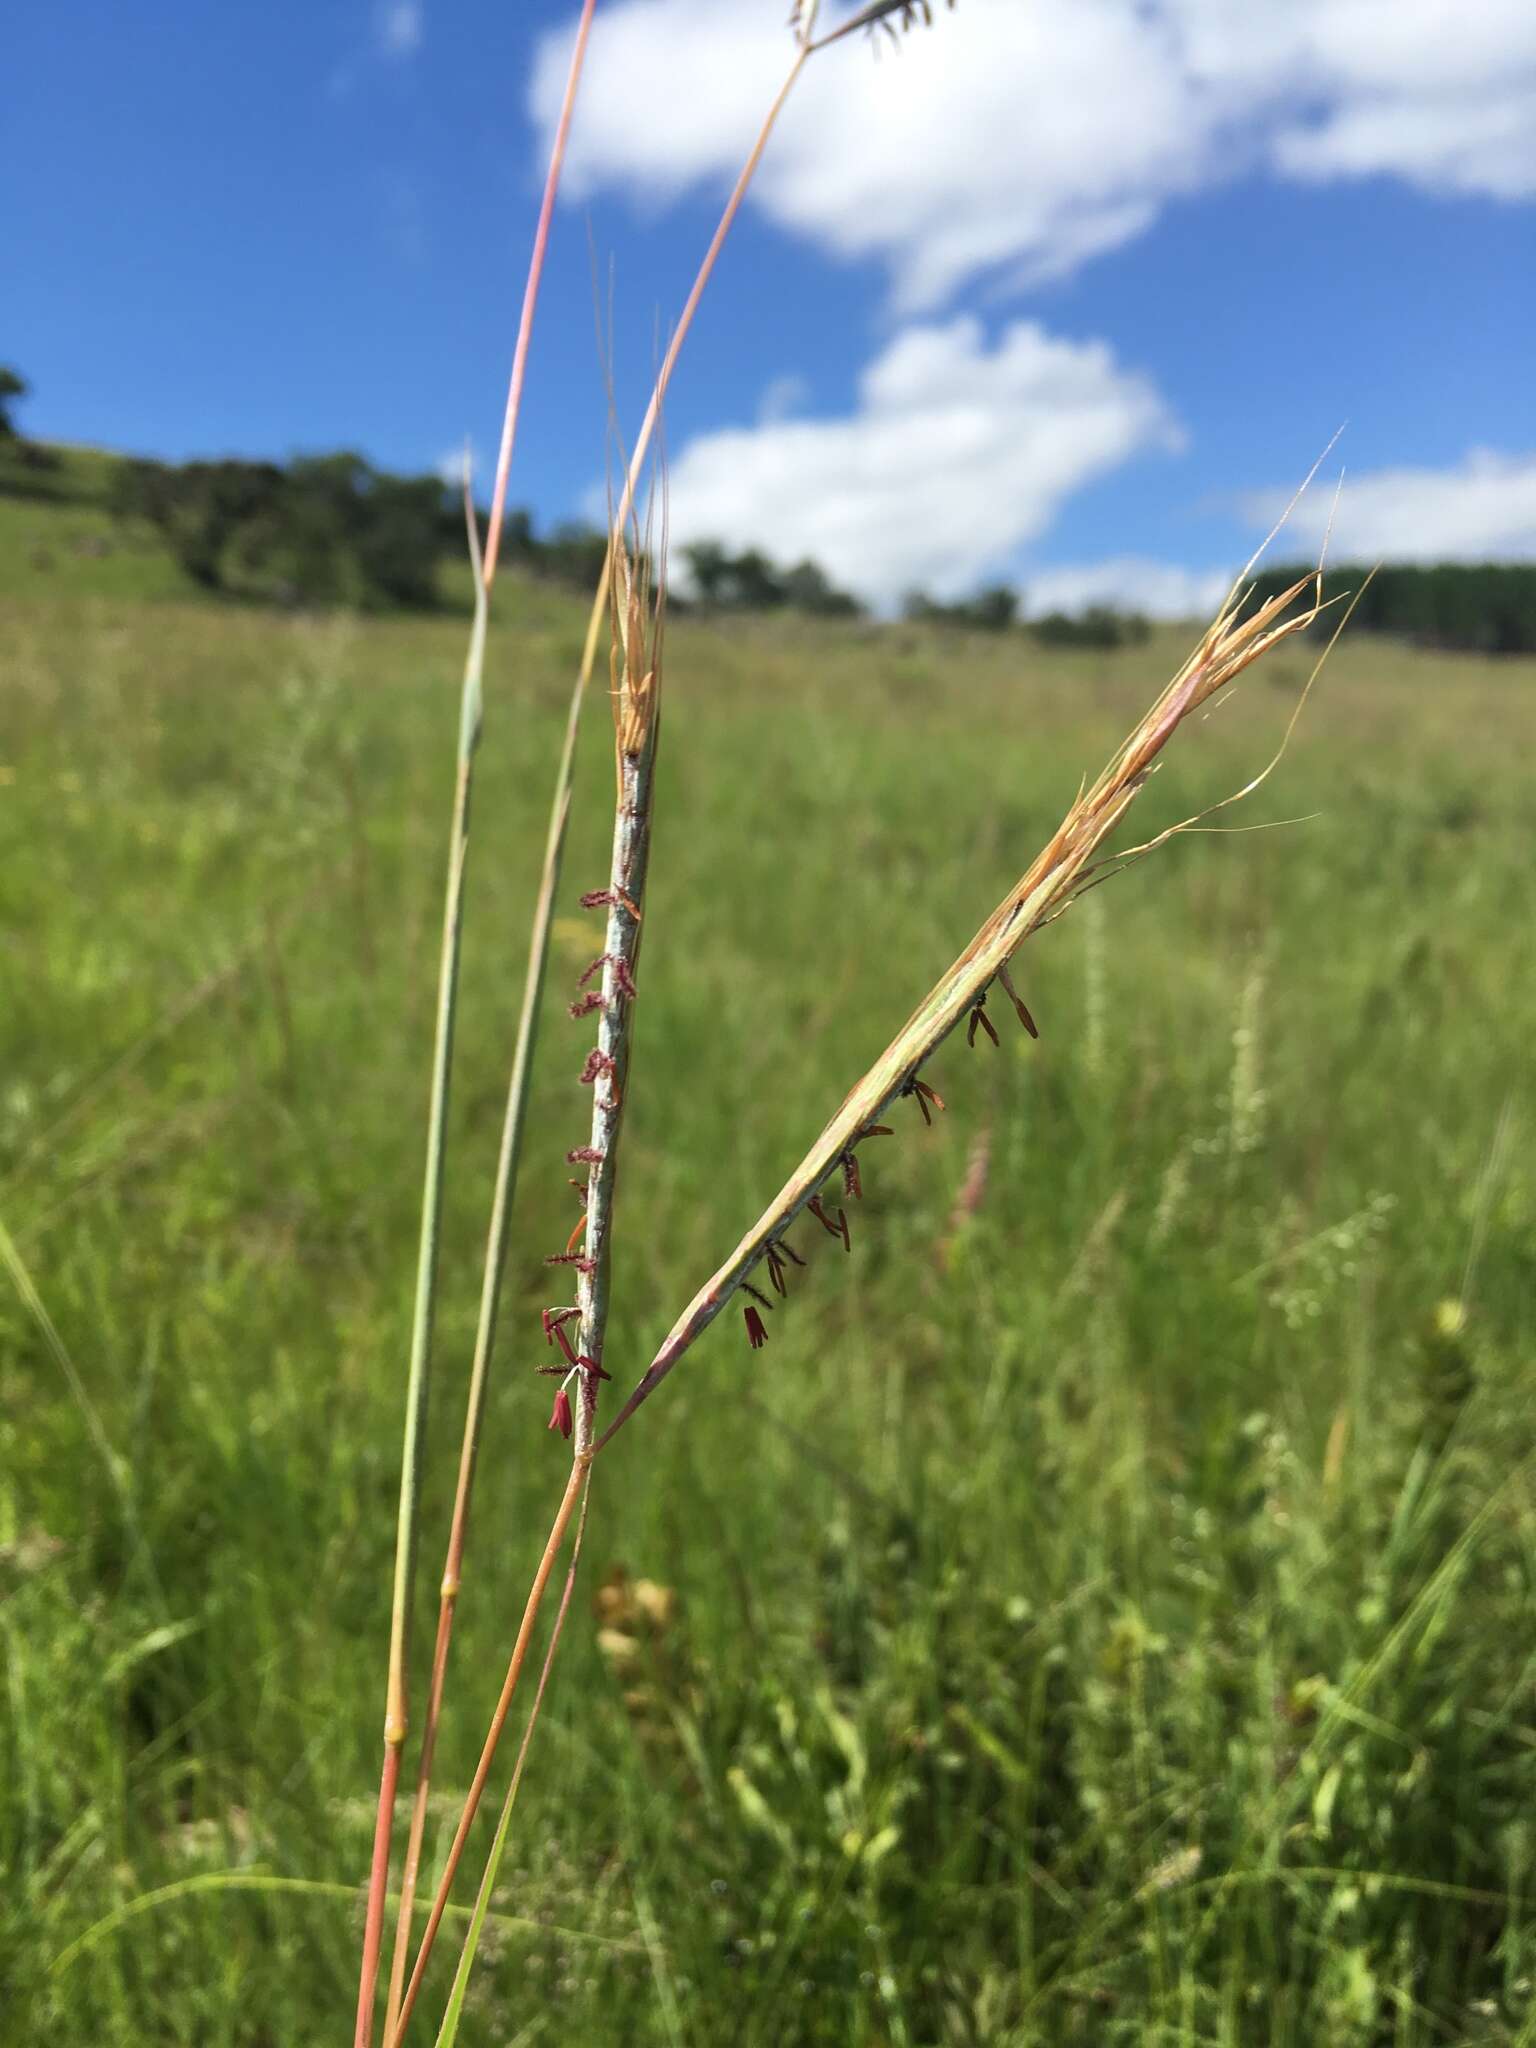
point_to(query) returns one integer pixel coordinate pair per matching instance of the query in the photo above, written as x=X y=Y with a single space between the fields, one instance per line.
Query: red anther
x=598 y=899
x=598 y=1062
x=584 y=1155
x=585 y=1005
x=837 y=1229
x=776 y=1269
x=590 y=1365
x=552 y=1318
x=924 y=1095
x=852 y=1186
x=1018 y=1003
x=748 y=1288
x=586 y=1267
x=874 y=1131
x=757 y=1335
x=782 y=1244
x=623 y=980
x=560 y=1415
x=565 y=1345
x=575 y=1237
x=979 y=1016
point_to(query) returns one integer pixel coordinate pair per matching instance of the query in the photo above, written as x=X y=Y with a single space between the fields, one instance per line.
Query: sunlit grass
x=1116 y=1629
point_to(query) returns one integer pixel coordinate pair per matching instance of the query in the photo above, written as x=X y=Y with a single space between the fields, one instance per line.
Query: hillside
x=57 y=533
x=1106 y=1593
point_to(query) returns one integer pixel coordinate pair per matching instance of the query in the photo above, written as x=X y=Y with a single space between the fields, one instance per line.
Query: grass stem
x=517 y=1098
x=396 y=1705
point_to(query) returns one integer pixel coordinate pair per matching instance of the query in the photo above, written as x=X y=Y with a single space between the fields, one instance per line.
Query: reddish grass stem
x=574 y=1488
x=396 y=1724
x=536 y=1594
x=531 y=295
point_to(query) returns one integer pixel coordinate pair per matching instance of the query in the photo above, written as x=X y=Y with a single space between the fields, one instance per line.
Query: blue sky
x=1069 y=291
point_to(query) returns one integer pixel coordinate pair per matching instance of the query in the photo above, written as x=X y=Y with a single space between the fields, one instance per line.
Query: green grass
x=1117 y=1629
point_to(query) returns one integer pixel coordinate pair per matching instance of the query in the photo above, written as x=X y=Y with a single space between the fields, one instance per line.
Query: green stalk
x=480 y=1911
x=637 y=724
x=485 y=1333
x=506 y=1172
x=637 y=702
x=396 y=1703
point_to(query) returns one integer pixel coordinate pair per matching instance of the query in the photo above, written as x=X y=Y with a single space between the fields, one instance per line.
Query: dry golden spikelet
x=635 y=655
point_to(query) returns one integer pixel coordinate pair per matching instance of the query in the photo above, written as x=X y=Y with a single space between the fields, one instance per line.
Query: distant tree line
x=329 y=530
x=325 y=529
x=1471 y=607
x=332 y=529
x=13 y=387
x=750 y=582
x=992 y=610
x=998 y=608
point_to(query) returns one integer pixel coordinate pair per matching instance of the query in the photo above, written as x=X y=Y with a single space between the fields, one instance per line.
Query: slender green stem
x=506 y=1171
x=575 y=1488
x=448 y=2032
x=485 y=1334
x=396 y=1704
x=513 y=1126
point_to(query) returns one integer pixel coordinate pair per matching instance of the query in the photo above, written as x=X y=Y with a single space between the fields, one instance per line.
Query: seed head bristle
x=802 y=21
x=1048 y=886
x=890 y=16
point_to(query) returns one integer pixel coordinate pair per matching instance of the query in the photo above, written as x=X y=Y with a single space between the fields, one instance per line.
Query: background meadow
x=1100 y=1614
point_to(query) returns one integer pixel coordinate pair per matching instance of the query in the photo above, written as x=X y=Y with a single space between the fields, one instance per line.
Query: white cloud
x=1159 y=590
x=956 y=455
x=398 y=27
x=1484 y=509
x=1020 y=137
x=781 y=397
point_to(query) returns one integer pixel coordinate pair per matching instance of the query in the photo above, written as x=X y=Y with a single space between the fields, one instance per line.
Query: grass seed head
x=635 y=658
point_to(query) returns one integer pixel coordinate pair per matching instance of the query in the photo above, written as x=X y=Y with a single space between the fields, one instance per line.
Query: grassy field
x=1104 y=1612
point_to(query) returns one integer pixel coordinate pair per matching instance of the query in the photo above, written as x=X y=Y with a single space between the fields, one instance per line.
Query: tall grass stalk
x=485 y=1333
x=637 y=729
x=1065 y=867
x=514 y=404
x=517 y=1102
x=1063 y=870
x=396 y=1710
x=517 y=1092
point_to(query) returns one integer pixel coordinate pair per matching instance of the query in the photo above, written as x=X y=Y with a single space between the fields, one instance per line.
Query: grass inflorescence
x=1181 y=1509
x=1093 y=1616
